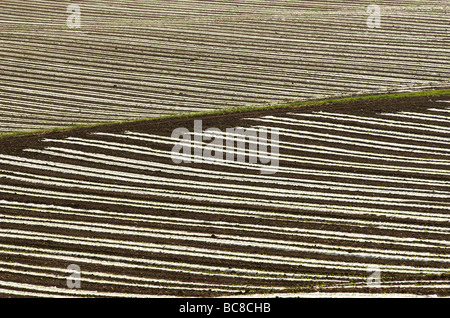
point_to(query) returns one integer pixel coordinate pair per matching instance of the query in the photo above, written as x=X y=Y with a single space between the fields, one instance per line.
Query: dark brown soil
x=226 y=222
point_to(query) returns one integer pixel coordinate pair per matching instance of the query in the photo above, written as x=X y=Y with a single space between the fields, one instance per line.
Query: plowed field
x=133 y=59
x=359 y=184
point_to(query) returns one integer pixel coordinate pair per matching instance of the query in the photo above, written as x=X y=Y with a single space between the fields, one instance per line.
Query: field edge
x=236 y=110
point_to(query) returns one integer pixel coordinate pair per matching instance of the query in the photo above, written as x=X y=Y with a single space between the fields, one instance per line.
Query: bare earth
x=112 y=201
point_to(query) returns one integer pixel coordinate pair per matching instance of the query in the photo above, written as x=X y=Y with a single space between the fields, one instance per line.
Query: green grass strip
x=243 y=109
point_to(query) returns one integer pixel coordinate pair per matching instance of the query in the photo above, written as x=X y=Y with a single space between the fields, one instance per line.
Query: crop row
x=134 y=59
x=137 y=224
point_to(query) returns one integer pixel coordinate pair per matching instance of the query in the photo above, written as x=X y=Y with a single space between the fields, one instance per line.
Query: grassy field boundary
x=242 y=109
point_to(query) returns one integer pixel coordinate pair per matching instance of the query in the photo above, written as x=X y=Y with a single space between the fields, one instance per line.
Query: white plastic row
x=146 y=219
x=205 y=253
x=183 y=239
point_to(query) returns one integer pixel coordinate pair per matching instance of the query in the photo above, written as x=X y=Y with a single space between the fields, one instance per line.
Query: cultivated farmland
x=133 y=59
x=360 y=184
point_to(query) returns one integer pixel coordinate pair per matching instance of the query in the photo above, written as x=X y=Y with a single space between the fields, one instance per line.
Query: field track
x=359 y=184
x=133 y=59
